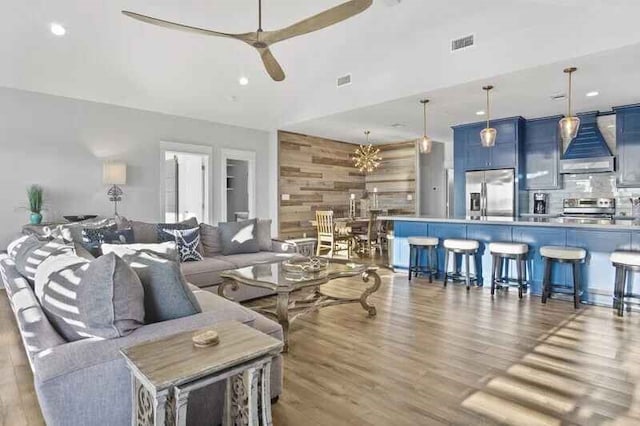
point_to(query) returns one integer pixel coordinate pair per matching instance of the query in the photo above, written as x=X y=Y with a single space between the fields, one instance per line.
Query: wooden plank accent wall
x=317 y=174
x=396 y=177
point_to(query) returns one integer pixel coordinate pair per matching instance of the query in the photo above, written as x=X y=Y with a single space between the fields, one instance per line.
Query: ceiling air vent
x=345 y=80
x=462 y=43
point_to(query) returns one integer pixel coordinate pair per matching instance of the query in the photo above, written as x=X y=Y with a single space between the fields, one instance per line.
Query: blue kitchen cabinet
x=486 y=234
x=503 y=155
x=536 y=237
x=542 y=151
x=598 y=271
x=628 y=145
x=477 y=157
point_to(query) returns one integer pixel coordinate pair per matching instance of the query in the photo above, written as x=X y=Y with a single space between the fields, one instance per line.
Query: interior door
x=171 y=199
x=500 y=192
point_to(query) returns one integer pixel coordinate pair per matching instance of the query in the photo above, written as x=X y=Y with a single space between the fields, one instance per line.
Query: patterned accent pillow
x=93 y=238
x=187 y=242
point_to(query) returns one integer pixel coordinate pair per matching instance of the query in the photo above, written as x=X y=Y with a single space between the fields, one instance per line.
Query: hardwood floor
x=431 y=356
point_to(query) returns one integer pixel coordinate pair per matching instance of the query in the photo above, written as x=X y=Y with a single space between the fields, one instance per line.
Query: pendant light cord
x=259 y=15
x=425 y=119
x=570 y=90
x=488 y=109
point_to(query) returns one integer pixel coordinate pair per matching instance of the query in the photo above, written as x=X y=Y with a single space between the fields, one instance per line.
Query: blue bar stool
x=416 y=247
x=625 y=262
x=504 y=252
x=573 y=255
x=468 y=249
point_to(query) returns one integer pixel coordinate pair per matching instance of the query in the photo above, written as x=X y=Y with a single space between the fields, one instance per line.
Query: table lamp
x=114 y=174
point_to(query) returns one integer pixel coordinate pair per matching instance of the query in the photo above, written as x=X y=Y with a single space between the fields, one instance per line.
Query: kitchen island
x=598 y=237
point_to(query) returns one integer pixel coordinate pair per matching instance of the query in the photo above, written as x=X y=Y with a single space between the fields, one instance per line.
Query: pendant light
x=488 y=134
x=569 y=125
x=425 y=143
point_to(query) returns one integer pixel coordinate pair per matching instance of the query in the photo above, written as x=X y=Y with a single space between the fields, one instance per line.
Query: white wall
x=60 y=143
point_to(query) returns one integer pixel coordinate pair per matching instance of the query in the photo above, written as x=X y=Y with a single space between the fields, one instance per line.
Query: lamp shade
x=569 y=128
x=424 y=145
x=488 y=137
x=114 y=173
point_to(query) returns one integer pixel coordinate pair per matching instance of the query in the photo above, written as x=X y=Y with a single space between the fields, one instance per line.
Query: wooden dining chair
x=368 y=243
x=329 y=237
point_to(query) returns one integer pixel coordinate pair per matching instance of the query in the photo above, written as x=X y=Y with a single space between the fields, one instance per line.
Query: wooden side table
x=165 y=371
x=304 y=246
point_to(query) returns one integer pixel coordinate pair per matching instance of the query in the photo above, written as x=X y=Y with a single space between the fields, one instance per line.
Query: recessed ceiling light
x=592 y=94
x=243 y=81
x=480 y=113
x=58 y=29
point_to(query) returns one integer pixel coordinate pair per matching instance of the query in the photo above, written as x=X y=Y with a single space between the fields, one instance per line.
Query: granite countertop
x=613 y=225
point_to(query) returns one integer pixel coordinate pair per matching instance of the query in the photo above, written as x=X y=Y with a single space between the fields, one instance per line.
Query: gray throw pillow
x=146 y=233
x=239 y=237
x=103 y=298
x=166 y=250
x=166 y=293
x=32 y=252
x=210 y=240
x=264 y=234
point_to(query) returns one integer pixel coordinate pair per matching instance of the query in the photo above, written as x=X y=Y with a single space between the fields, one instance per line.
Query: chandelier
x=367 y=158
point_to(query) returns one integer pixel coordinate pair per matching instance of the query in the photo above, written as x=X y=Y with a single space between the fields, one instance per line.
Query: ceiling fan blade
x=271 y=64
x=247 y=37
x=318 y=22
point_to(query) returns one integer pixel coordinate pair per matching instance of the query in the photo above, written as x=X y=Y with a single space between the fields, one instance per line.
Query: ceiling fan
x=261 y=40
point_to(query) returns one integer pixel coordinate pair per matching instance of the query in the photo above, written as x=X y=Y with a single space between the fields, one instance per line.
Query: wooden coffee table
x=286 y=309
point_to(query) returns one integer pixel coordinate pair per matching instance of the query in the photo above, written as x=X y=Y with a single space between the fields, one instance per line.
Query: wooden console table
x=164 y=372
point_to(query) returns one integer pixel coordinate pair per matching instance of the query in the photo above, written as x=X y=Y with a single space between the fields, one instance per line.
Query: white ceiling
x=394 y=51
x=614 y=74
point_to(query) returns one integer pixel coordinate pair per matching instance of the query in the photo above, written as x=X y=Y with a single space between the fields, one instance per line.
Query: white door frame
x=191 y=149
x=250 y=158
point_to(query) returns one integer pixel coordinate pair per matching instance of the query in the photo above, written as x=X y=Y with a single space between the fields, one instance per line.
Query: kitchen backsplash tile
x=597 y=185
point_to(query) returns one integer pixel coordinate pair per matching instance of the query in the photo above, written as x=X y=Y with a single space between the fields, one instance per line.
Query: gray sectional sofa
x=86 y=382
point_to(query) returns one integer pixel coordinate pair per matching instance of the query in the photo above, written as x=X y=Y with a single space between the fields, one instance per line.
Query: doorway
x=238 y=175
x=186 y=186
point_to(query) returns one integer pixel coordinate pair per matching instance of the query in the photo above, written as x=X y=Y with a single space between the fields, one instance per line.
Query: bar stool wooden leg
x=446 y=266
x=617 y=293
x=576 y=285
x=623 y=287
x=430 y=263
x=546 y=279
x=468 y=271
x=410 y=261
x=494 y=273
x=519 y=268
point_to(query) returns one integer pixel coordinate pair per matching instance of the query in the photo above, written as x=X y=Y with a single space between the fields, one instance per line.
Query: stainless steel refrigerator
x=491 y=193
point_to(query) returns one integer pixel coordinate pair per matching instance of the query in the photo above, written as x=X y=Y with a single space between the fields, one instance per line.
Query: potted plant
x=34 y=194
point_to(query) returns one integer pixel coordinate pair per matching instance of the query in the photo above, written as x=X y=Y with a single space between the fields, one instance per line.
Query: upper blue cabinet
x=542 y=151
x=503 y=155
x=628 y=145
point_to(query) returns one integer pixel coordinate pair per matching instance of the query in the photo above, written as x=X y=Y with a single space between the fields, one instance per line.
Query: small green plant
x=34 y=194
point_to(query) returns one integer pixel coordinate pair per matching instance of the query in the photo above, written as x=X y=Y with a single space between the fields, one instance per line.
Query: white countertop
x=615 y=225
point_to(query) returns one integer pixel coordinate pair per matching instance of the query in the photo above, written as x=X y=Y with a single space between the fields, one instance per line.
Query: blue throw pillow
x=187 y=242
x=168 y=236
x=93 y=238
